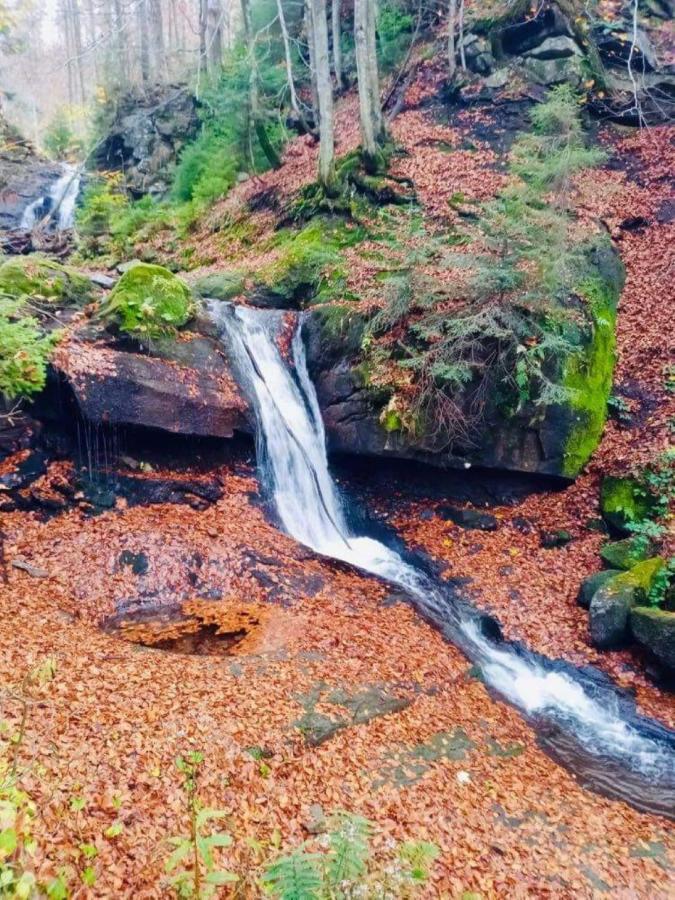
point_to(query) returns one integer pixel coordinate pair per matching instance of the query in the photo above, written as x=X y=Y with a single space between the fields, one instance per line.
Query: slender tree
x=324 y=86
x=452 y=21
x=373 y=132
x=336 y=7
x=292 y=93
x=256 y=116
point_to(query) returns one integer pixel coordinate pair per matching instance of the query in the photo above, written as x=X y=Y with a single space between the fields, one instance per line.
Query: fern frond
x=296 y=876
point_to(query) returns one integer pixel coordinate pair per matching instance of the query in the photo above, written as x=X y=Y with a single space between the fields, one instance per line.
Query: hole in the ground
x=202 y=627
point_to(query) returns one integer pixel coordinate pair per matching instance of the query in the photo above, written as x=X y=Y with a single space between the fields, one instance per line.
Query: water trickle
x=589 y=725
x=62 y=197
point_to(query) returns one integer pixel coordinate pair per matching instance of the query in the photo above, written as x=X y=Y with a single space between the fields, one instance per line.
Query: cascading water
x=62 y=197
x=586 y=722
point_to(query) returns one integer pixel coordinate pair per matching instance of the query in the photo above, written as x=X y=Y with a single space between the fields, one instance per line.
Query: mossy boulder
x=40 y=278
x=587 y=375
x=624 y=554
x=624 y=501
x=612 y=603
x=306 y=267
x=148 y=301
x=220 y=285
x=654 y=629
x=590 y=585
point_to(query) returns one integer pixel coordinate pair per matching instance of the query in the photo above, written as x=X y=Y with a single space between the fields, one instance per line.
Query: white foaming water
x=292 y=455
x=62 y=194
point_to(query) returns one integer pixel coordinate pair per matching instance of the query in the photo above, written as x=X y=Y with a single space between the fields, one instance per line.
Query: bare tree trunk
x=121 y=63
x=77 y=47
x=157 y=43
x=295 y=106
x=214 y=36
x=144 y=40
x=256 y=115
x=337 y=42
x=370 y=110
x=462 y=50
x=452 y=21
x=324 y=87
x=309 y=31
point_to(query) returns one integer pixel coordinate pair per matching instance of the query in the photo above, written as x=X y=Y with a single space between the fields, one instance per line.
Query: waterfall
x=589 y=724
x=62 y=196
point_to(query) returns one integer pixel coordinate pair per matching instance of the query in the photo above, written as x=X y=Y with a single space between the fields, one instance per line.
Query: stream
x=62 y=197
x=581 y=718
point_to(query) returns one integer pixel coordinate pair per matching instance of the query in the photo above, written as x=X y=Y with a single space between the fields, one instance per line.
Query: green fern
x=348 y=838
x=297 y=876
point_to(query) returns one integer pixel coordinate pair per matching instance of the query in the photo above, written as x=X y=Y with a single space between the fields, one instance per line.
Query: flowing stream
x=62 y=197
x=582 y=719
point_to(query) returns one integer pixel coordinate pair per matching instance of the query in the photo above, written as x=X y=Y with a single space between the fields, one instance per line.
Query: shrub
x=148 y=301
x=24 y=351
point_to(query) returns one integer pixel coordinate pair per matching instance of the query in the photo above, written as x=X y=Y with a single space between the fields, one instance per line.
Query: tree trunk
x=337 y=42
x=255 y=111
x=214 y=36
x=452 y=21
x=370 y=110
x=293 y=96
x=144 y=41
x=324 y=87
x=157 y=44
x=309 y=31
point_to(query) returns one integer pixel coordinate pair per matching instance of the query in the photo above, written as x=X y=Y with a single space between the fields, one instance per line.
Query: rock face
x=147 y=132
x=613 y=601
x=25 y=176
x=184 y=387
x=655 y=630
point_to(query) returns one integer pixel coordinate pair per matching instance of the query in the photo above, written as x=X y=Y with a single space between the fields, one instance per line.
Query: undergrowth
x=497 y=329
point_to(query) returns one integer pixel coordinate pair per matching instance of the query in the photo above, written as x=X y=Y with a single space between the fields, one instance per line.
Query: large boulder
x=184 y=386
x=148 y=129
x=548 y=439
x=40 y=278
x=612 y=603
x=624 y=554
x=654 y=629
x=590 y=586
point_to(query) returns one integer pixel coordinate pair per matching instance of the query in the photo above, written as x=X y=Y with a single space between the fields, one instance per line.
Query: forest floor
x=352 y=700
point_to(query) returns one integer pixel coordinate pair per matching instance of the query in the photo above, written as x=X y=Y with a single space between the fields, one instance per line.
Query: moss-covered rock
x=148 y=301
x=307 y=267
x=591 y=584
x=655 y=629
x=587 y=375
x=612 y=603
x=40 y=278
x=624 y=501
x=220 y=285
x=624 y=554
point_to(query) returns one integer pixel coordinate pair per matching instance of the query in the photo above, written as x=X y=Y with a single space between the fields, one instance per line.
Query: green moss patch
x=308 y=267
x=624 y=554
x=220 y=285
x=39 y=278
x=625 y=501
x=587 y=376
x=149 y=301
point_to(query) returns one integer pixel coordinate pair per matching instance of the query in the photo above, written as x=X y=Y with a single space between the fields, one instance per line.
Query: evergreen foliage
x=24 y=351
x=503 y=329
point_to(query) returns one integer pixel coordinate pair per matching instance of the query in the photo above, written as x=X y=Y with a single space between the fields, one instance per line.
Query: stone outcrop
x=183 y=387
x=147 y=132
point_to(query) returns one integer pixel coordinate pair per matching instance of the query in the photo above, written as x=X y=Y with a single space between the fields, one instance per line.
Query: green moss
x=391 y=420
x=308 y=267
x=24 y=351
x=624 y=501
x=40 y=278
x=220 y=285
x=624 y=554
x=148 y=301
x=587 y=376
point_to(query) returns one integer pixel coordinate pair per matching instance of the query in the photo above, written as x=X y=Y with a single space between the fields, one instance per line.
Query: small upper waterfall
x=590 y=725
x=62 y=197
